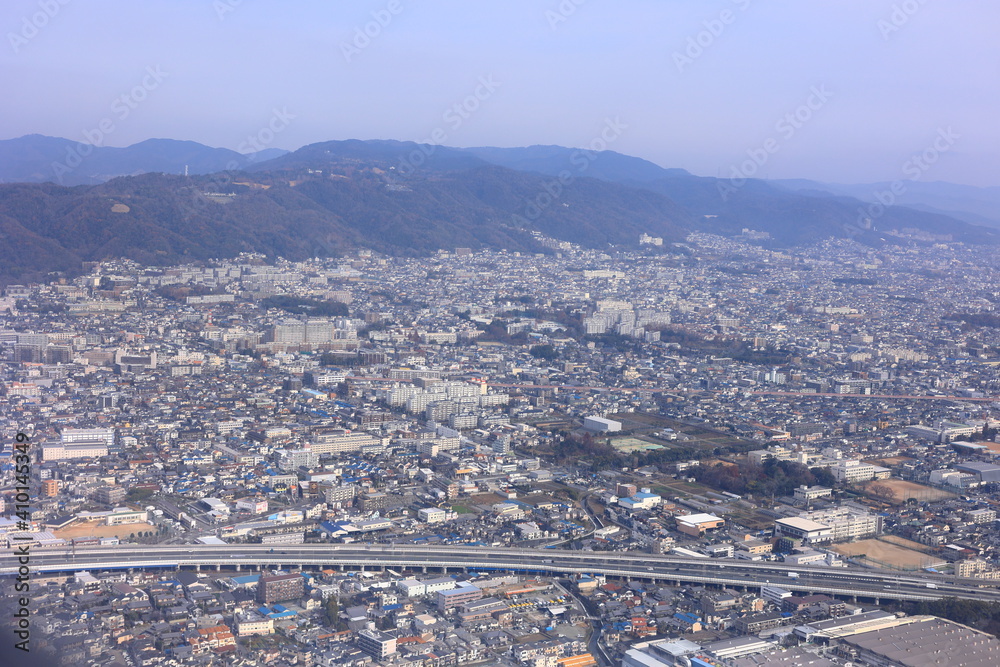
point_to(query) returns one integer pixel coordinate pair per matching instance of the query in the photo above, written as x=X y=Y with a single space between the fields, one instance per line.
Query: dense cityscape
x=710 y=404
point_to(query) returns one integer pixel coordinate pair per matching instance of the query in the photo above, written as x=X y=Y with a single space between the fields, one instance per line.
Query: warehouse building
x=601 y=425
x=927 y=641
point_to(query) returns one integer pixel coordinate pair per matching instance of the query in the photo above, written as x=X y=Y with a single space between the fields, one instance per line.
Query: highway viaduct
x=853 y=583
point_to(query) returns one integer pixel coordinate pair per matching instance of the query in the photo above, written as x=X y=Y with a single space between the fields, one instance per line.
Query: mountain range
x=35 y=158
x=412 y=199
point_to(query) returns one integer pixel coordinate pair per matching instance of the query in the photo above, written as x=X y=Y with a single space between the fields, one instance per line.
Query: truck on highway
x=929 y=585
x=793 y=575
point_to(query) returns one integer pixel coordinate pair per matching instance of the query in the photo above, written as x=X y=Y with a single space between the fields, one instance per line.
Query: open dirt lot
x=903 y=490
x=891 y=461
x=629 y=445
x=883 y=554
x=992 y=446
x=905 y=543
x=485 y=499
x=98 y=529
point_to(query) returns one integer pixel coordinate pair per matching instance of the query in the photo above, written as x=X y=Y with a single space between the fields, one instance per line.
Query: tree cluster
x=304 y=306
x=774 y=478
x=984 y=616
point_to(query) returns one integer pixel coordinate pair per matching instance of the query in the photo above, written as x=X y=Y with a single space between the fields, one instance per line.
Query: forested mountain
x=411 y=199
x=160 y=219
x=790 y=211
x=38 y=159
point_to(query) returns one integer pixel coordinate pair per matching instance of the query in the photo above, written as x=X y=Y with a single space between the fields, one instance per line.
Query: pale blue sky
x=228 y=64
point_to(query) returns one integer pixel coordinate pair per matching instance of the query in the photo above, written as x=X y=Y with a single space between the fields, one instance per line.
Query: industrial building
x=985 y=473
x=696 y=524
x=925 y=641
x=601 y=425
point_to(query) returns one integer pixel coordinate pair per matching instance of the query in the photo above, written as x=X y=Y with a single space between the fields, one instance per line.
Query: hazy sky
x=702 y=85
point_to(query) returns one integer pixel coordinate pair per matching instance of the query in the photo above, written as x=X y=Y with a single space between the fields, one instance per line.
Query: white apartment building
x=807 y=493
x=853 y=471
x=74 y=435
x=431 y=515
x=254 y=626
x=339 y=443
x=63 y=452
x=846 y=523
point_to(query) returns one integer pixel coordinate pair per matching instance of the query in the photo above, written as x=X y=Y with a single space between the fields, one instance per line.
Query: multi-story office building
x=457 y=597
x=110 y=495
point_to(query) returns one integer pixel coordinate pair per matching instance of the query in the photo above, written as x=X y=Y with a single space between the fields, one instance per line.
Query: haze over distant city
x=840 y=92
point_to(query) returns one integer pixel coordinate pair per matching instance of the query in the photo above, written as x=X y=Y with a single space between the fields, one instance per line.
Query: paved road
x=668 y=569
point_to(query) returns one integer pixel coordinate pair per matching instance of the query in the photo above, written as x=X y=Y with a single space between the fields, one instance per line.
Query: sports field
x=882 y=554
x=99 y=529
x=891 y=461
x=904 y=490
x=905 y=543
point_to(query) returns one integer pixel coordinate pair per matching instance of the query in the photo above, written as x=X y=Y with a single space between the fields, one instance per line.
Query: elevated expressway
x=844 y=582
